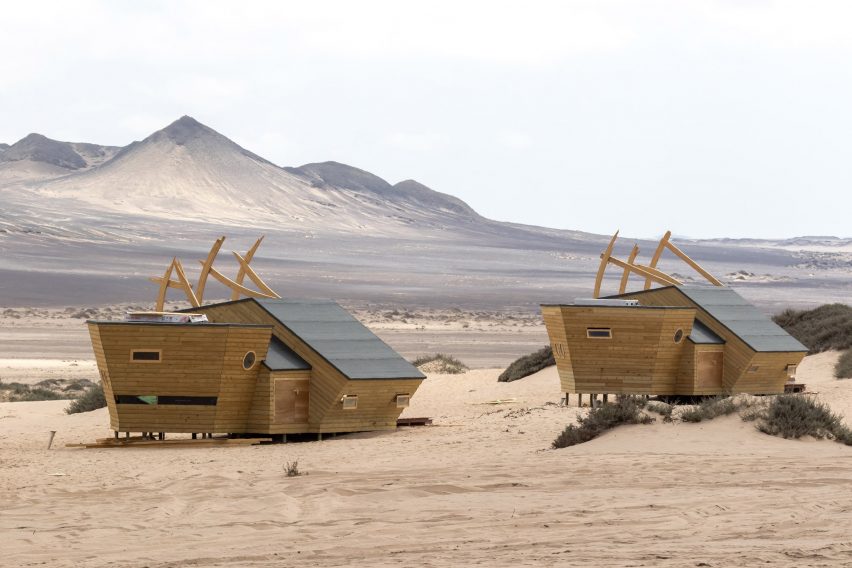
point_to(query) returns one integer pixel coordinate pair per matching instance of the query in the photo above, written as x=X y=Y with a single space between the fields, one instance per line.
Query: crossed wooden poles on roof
x=650 y=272
x=196 y=295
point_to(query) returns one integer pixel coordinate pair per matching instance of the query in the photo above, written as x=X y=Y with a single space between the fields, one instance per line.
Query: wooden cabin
x=259 y=366
x=673 y=340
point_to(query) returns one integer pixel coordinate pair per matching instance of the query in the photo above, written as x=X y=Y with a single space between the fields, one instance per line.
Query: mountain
x=88 y=223
x=189 y=171
x=37 y=157
x=3 y=147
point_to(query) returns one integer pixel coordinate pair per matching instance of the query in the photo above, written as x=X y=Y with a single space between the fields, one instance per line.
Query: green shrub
x=843 y=369
x=19 y=392
x=441 y=364
x=709 y=409
x=821 y=329
x=626 y=410
x=92 y=399
x=794 y=416
x=528 y=364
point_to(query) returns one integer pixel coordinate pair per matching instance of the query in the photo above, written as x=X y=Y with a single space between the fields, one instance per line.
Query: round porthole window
x=248 y=360
x=678 y=337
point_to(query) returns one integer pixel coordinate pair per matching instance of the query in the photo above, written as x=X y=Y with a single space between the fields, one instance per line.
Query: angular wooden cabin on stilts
x=259 y=365
x=671 y=340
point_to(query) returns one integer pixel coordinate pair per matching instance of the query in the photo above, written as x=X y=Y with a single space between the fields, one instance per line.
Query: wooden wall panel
x=559 y=343
x=641 y=357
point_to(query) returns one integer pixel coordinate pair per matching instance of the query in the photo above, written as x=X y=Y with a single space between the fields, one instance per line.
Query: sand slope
x=479 y=487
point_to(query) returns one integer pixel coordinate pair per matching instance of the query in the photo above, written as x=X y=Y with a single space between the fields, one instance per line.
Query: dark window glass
x=678 y=336
x=598 y=333
x=177 y=400
x=146 y=355
x=248 y=360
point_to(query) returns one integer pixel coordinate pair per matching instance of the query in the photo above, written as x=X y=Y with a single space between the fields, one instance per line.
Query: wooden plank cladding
x=199 y=361
x=678 y=341
x=268 y=369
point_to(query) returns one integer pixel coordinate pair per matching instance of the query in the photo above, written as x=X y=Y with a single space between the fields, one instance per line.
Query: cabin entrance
x=709 y=369
x=291 y=401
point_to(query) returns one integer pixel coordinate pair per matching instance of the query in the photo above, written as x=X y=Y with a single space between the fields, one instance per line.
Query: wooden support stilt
x=579 y=400
x=284 y=438
x=162 y=435
x=127 y=434
x=194 y=436
x=116 y=434
x=605 y=398
x=319 y=437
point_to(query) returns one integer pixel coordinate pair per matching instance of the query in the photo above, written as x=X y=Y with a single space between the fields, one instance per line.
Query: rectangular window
x=145 y=355
x=403 y=400
x=350 y=402
x=598 y=333
x=791 y=371
x=174 y=400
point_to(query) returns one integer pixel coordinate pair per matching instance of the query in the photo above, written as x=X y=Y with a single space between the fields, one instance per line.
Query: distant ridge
x=68 y=155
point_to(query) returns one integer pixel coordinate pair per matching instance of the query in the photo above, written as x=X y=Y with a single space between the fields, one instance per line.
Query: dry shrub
x=821 y=329
x=794 y=416
x=441 y=364
x=626 y=410
x=92 y=399
x=528 y=364
x=843 y=369
x=709 y=409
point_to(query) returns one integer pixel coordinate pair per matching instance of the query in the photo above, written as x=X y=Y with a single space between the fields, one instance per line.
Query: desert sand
x=479 y=487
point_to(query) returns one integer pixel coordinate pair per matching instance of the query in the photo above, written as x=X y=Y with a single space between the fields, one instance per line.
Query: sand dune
x=481 y=486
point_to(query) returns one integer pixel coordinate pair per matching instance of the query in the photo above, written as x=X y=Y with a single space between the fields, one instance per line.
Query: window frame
x=590 y=330
x=159 y=353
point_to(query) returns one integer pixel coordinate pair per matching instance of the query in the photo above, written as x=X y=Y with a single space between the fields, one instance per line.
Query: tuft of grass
x=821 y=329
x=440 y=363
x=92 y=399
x=19 y=392
x=292 y=469
x=661 y=408
x=527 y=365
x=626 y=410
x=794 y=416
x=709 y=409
x=843 y=369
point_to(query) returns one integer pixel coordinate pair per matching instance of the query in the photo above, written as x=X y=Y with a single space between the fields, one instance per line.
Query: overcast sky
x=707 y=118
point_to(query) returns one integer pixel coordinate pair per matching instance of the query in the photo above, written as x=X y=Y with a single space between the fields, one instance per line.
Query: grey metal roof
x=282 y=358
x=340 y=339
x=702 y=334
x=743 y=319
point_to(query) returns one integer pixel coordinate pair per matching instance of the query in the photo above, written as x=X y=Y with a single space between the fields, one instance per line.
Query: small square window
x=598 y=333
x=791 y=370
x=403 y=400
x=350 y=401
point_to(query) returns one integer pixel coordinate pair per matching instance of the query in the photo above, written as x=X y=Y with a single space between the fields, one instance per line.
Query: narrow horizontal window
x=350 y=402
x=174 y=400
x=145 y=355
x=598 y=333
x=403 y=400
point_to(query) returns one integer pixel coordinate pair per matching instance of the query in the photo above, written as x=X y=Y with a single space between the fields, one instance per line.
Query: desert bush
x=709 y=409
x=19 y=392
x=91 y=399
x=843 y=368
x=292 y=469
x=440 y=363
x=626 y=410
x=794 y=416
x=527 y=365
x=821 y=329
x=661 y=408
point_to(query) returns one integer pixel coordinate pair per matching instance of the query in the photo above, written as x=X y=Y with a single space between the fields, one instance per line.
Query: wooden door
x=709 y=369
x=291 y=401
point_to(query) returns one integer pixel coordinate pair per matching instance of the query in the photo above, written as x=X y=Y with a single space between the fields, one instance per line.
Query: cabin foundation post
x=116 y=434
x=194 y=435
x=162 y=435
x=127 y=434
x=319 y=436
x=593 y=400
x=284 y=438
x=605 y=398
x=567 y=398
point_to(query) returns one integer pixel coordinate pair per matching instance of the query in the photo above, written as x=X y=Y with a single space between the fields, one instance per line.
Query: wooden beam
x=646 y=271
x=624 y=277
x=242 y=273
x=657 y=254
x=244 y=266
x=171 y=283
x=697 y=267
x=234 y=286
x=164 y=286
x=205 y=268
x=604 y=262
x=187 y=287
